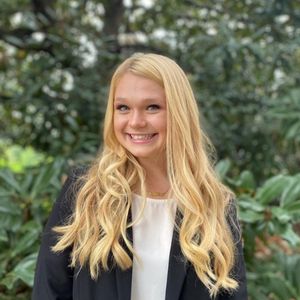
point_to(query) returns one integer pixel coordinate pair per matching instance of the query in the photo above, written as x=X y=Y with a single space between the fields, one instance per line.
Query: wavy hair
x=97 y=229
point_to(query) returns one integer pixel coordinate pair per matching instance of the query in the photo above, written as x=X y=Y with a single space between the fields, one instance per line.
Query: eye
x=153 y=107
x=122 y=107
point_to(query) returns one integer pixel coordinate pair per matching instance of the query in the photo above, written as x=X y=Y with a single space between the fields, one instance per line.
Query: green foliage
x=288 y=111
x=268 y=214
x=25 y=201
x=17 y=158
x=276 y=277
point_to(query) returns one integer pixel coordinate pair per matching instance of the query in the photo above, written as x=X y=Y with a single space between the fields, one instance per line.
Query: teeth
x=141 y=136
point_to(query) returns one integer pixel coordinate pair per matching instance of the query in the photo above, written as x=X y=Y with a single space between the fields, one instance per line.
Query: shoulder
x=75 y=177
x=78 y=172
x=65 y=202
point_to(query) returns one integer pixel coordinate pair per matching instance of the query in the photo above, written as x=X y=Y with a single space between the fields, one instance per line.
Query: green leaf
x=291 y=236
x=44 y=178
x=3 y=235
x=291 y=192
x=293 y=208
x=8 y=177
x=11 y=223
x=9 y=280
x=272 y=189
x=293 y=131
x=279 y=287
x=291 y=266
x=251 y=204
x=72 y=122
x=4 y=193
x=15 y=41
x=222 y=168
x=24 y=270
x=281 y=214
x=27 y=182
x=9 y=207
x=4 y=261
x=10 y=215
x=246 y=180
x=18 y=158
x=26 y=241
x=250 y=216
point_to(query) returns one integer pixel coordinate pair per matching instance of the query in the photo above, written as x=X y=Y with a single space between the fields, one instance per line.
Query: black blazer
x=55 y=280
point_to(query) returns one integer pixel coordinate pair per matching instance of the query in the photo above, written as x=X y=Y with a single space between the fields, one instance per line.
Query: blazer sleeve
x=239 y=269
x=53 y=276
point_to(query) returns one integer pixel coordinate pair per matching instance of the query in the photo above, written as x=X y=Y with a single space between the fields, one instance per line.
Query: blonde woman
x=149 y=219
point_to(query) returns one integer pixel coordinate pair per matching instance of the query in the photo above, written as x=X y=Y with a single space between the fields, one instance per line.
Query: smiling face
x=140 y=117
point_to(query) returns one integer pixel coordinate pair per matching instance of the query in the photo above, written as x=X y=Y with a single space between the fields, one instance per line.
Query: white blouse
x=152 y=237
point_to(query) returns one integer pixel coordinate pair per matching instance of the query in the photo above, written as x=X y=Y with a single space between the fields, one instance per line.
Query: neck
x=157 y=182
x=154 y=169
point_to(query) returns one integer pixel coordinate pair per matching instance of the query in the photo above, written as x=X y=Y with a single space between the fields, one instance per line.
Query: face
x=140 y=117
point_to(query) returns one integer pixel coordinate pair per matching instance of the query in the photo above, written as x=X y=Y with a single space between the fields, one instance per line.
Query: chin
x=141 y=155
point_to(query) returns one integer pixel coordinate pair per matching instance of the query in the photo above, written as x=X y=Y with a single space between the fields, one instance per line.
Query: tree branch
x=114 y=11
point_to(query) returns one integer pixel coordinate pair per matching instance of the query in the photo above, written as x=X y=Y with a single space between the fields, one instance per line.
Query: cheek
x=118 y=125
x=161 y=123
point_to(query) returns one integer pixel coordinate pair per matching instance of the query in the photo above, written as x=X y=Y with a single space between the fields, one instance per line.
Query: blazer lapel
x=123 y=278
x=177 y=267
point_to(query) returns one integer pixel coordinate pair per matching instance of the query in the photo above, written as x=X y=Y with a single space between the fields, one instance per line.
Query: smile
x=141 y=137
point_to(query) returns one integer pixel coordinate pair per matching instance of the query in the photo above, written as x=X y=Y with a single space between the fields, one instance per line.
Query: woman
x=149 y=219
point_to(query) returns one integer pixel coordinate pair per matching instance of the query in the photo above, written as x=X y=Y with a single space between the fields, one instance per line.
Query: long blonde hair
x=97 y=229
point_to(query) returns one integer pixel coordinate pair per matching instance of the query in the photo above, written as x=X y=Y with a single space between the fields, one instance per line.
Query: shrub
x=269 y=214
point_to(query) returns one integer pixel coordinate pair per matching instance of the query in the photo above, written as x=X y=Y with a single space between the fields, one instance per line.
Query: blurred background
x=243 y=60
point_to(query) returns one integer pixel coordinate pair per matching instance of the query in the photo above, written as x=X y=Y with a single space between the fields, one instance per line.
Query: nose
x=137 y=120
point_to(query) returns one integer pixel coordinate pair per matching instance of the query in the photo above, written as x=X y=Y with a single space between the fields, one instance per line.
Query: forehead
x=131 y=85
